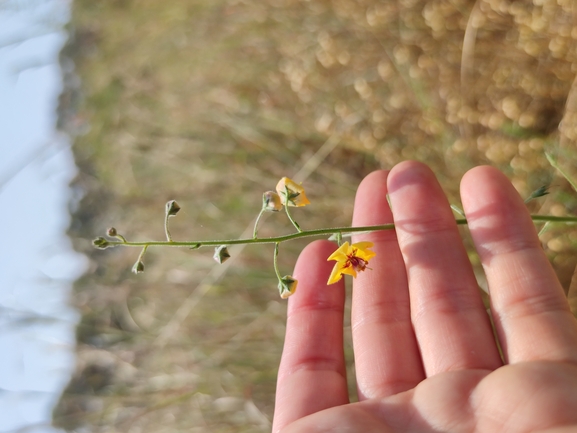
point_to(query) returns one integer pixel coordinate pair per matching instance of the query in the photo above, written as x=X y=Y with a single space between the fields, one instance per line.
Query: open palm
x=426 y=359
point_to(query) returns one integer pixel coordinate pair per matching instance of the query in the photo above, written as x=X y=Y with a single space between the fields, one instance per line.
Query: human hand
x=425 y=355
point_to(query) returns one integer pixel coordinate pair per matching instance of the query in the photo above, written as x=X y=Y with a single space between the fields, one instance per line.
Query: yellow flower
x=350 y=260
x=291 y=193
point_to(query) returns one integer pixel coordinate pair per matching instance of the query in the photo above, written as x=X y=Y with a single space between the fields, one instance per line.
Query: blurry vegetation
x=210 y=102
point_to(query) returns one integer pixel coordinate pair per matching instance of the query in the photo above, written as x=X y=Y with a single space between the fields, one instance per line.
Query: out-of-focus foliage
x=210 y=102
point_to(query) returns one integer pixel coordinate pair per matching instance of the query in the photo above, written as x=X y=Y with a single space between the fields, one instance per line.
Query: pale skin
x=425 y=356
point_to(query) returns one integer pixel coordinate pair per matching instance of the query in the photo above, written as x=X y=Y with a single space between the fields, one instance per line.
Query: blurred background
x=210 y=102
x=37 y=262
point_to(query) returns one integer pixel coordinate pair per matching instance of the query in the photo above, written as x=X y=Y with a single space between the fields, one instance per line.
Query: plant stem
x=142 y=253
x=304 y=234
x=166 y=231
x=275 y=262
x=291 y=219
x=256 y=223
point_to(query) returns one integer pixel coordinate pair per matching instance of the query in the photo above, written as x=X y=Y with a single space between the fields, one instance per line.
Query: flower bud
x=287 y=286
x=172 y=208
x=111 y=232
x=271 y=201
x=101 y=243
x=221 y=254
x=138 y=267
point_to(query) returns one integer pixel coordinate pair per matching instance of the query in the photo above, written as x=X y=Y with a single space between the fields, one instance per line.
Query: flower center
x=357 y=263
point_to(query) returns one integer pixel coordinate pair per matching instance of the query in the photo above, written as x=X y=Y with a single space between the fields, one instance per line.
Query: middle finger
x=387 y=358
x=450 y=321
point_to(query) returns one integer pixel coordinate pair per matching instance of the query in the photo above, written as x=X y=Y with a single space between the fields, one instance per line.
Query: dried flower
x=291 y=193
x=287 y=285
x=271 y=201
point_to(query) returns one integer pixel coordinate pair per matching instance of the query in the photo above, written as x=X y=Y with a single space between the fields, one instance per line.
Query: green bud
x=221 y=254
x=101 y=243
x=172 y=208
x=287 y=286
x=138 y=267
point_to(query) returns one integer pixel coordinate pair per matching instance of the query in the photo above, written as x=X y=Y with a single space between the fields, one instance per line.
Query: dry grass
x=210 y=102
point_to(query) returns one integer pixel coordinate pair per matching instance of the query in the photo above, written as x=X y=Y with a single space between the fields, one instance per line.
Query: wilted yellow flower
x=291 y=193
x=271 y=201
x=287 y=286
x=350 y=260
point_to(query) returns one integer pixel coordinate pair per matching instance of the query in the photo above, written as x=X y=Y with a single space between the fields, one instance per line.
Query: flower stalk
x=344 y=231
x=294 y=223
x=275 y=261
x=350 y=258
x=171 y=209
x=287 y=285
x=138 y=267
x=260 y=214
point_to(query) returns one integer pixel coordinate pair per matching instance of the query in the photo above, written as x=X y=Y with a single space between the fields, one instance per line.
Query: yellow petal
x=290 y=184
x=363 y=245
x=340 y=255
x=336 y=274
x=300 y=200
x=349 y=270
x=362 y=250
x=366 y=255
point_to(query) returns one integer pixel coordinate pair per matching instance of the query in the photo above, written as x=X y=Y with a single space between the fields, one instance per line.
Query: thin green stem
x=303 y=234
x=275 y=262
x=170 y=209
x=553 y=161
x=166 y=231
x=256 y=223
x=292 y=220
x=142 y=253
x=139 y=264
x=339 y=237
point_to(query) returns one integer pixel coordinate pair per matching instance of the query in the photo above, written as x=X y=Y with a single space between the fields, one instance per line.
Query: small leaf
x=539 y=192
x=555 y=164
